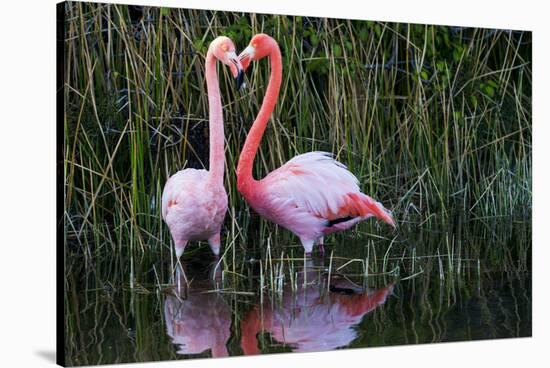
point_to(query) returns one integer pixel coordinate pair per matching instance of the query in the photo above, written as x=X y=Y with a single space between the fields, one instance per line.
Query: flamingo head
x=224 y=50
x=260 y=46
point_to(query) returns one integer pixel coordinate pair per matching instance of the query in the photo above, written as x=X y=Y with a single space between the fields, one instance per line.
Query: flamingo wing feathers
x=181 y=187
x=191 y=207
x=324 y=187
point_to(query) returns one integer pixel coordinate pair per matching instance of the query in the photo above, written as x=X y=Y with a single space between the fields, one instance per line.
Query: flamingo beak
x=246 y=56
x=236 y=68
x=240 y=79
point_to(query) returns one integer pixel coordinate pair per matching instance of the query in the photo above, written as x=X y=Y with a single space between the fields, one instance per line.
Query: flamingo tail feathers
x=362 y=205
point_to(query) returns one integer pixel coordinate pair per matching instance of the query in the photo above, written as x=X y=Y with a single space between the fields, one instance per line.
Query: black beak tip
x=240 y=79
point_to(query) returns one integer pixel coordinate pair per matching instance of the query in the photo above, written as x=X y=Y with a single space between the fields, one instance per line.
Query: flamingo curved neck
x=245 y=180
x=217 y=155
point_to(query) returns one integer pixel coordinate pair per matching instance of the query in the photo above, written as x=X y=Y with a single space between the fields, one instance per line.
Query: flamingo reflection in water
x=197 y=318
x=310 y=319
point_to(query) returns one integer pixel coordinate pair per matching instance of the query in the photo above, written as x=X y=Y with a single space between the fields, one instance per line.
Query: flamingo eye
x=253 y=45
x=224 y=47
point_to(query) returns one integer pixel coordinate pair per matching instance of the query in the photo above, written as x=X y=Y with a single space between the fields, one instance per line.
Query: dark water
x=287 y=305
x=321 y=317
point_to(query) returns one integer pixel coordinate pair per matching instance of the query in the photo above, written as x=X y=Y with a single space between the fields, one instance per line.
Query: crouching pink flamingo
x=194 y=202
x=311 y=195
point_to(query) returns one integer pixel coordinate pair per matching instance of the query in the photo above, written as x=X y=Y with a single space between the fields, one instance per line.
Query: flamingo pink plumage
x=312 y=194
x=194 y=202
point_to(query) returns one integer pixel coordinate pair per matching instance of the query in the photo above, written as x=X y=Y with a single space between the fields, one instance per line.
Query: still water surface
x=286 y=305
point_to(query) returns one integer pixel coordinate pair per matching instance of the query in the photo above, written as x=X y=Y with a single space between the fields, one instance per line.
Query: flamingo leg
x=321 y=241
x=214 y=242
x=180 y=274
x=216 y=274
x=178 y=248
x=308 y=246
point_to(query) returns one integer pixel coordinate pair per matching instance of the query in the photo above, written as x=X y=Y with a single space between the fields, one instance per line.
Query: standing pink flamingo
x=311 y=195
x=194 y=202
